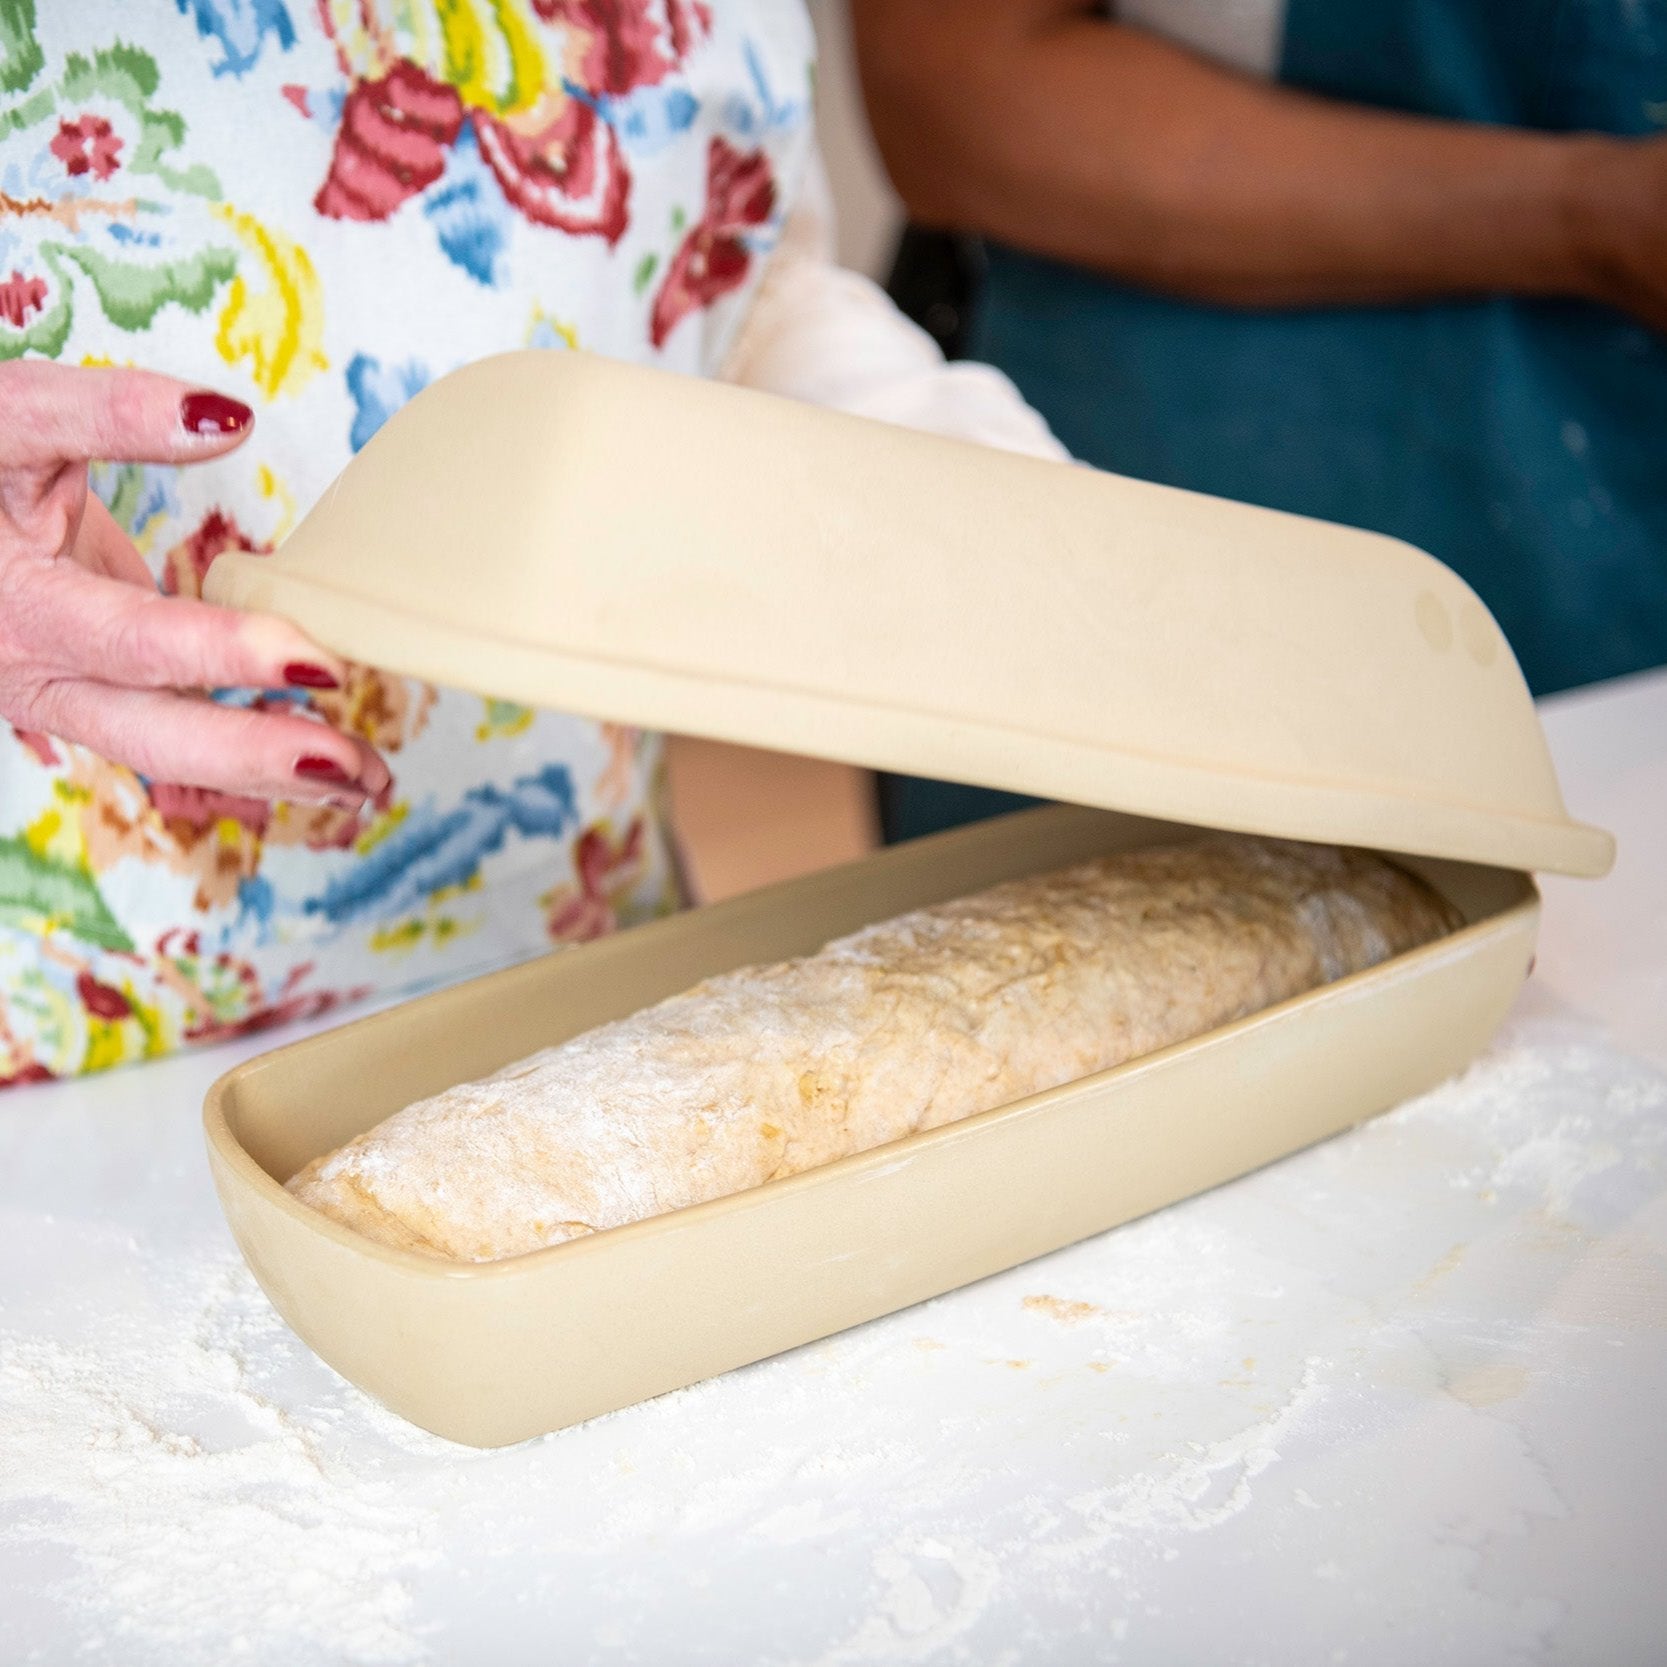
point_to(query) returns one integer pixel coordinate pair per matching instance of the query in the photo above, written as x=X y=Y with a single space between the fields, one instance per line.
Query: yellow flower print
x=277 y=493
x=546 y=330
x=435 y=924
x=488 y=50
x=380 y=826
x=55 y=835
x=491 y=54
x=278 y=328
x=503 y=720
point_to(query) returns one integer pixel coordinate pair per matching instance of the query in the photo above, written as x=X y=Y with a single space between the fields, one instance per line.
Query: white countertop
x=1397 y=1399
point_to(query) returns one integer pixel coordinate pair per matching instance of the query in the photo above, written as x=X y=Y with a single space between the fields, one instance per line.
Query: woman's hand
x=90 y=652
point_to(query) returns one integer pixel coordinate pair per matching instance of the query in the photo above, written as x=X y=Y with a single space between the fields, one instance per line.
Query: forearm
x=1038 y=123
x=745 y=818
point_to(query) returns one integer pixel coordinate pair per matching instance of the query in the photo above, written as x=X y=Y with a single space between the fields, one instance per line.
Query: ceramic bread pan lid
x=570 y=532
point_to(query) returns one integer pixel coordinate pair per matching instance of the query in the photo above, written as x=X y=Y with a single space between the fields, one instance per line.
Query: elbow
x=933 y=182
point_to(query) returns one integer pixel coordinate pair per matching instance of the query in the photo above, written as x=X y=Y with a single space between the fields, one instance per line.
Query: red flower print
x=713 y=259
x=190 y=813
x=604 y=868
x=102 y=1000
x=291 y=1010
x=229 y=992
x=623 y=39
x=391 y=144
x=193 y=816
x=34 y=1071
x=290 y=1005
x=686 y=22
x=20 y=296
x=188 y=562
x=87 y=146
x=569 y=174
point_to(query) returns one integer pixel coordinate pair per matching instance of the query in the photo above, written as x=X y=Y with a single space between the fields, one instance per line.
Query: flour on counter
x=1206 y=1392
x=196 y=1512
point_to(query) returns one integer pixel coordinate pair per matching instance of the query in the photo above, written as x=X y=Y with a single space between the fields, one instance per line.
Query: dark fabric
x=911 y=806
x=1522 y=443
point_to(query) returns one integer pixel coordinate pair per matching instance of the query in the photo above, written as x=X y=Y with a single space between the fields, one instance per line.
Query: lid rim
x=1172 y=790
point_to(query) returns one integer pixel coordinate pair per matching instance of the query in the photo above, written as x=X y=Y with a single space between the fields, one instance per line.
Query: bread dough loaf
x=917 y=1021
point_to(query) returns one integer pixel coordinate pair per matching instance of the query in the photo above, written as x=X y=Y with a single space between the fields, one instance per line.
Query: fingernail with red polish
x=209 y=415
x=315 y=767
x=298 y=674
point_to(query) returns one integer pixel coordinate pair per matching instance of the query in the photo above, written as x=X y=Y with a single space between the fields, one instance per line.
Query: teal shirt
x=1524 y=443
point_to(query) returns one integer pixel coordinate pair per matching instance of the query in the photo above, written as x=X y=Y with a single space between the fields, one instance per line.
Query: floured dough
x=936 y=1015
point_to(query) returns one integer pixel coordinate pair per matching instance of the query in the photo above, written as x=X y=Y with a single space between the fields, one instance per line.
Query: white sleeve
x=820 y=333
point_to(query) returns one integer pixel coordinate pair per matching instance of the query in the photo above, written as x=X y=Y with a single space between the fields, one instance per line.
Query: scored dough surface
x=930 y=1017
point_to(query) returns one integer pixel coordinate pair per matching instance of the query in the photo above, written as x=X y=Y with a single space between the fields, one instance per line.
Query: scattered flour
x=931 y=1593
x=200 y=1516
x=1059 y=1308
x=193 y=1487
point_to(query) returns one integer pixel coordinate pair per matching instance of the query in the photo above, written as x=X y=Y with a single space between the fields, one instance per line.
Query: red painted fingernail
x=315 y=767
x=209 y=415
x=299 y=675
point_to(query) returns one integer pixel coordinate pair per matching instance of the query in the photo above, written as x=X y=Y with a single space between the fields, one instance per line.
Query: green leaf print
x=124 y=497
x=36 y=891
x=38 y=107
x=132 y=295
x=64 y=239
x=118 y=60
x=128 y=75
x=21 y=58
x=645 y=271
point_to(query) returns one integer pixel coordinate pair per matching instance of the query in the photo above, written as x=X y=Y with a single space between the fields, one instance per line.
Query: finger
x=131 y=635
x=51 y=414
x=102 y=547
x=189 y=740
x=373 y=773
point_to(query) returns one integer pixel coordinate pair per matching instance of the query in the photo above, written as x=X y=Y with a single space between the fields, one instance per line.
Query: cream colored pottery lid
x=570 y=532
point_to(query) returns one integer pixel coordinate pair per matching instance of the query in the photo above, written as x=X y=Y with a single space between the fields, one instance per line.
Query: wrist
x=1594 y=189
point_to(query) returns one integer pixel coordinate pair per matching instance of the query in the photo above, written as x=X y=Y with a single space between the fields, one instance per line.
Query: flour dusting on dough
x=905 y=1025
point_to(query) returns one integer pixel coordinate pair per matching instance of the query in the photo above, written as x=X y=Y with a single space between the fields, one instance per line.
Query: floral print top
x=319 y=206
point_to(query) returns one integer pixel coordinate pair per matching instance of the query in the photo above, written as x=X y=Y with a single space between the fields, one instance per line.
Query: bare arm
x=1042 y=124
x=746 y=818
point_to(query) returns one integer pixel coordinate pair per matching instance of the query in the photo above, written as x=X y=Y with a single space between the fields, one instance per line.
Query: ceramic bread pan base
x=494 y=1353
x=796 y=578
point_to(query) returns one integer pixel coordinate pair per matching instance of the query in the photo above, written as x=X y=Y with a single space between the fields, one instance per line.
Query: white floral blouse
x=319 y=206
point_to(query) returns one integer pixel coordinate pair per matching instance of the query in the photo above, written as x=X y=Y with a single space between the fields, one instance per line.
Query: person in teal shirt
x=1401 y=265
